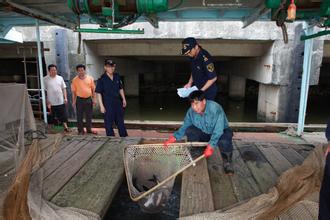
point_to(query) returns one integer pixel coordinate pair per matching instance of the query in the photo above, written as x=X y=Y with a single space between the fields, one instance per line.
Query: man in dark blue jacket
x=324 y=207
x=112 y=99
x=203 y=74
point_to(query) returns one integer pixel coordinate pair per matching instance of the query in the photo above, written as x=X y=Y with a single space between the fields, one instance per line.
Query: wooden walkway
x=257 y=168
x=86 y=172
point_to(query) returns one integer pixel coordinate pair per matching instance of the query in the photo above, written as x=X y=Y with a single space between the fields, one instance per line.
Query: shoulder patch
x=205 y=58
x=210 y=67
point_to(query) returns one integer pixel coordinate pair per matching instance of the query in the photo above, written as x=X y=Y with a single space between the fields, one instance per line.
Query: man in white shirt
x=56 y=95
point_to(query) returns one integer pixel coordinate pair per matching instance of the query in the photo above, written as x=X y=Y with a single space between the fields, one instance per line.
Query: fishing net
x=15 y=119
x=294 y=197
x=151 y=171
x=21 y=160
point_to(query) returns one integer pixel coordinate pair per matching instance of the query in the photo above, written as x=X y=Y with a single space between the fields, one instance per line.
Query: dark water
x=318 y=110
x=170 y=107
x=123 y=208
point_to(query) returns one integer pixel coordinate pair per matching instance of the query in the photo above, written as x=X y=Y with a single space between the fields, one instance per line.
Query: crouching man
x=207 y=122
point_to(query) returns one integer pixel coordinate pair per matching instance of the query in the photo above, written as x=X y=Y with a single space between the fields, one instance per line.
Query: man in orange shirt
x=83 y=98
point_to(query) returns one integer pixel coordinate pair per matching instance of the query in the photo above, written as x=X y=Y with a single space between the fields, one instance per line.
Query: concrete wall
x=258 y=53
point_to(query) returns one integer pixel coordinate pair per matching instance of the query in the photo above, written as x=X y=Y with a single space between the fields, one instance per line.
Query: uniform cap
x=188 y=44
x=109 y=62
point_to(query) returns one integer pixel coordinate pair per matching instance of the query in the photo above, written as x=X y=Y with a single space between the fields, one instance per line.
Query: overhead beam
x=255 y=15
x=40 y=15
x=232 y=48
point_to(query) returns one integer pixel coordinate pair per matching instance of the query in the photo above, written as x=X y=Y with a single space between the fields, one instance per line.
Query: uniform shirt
x=109 y=89
x=213 y=122
x=83 y=88
x=54 y=87
x=202 y=70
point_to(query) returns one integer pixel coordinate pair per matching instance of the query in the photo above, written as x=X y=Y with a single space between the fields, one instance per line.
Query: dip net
x=151 y=170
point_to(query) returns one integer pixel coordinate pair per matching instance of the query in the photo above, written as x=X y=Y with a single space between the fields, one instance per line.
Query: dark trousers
x=225 y=142
x=58 y=112
x=84 y=106
x=114 y=113
x=324 y=205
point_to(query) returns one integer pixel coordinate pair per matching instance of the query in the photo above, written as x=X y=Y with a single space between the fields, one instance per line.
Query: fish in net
x=151 y=170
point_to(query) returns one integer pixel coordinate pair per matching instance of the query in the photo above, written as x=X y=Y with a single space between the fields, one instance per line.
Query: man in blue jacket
x=207 y=122
x=324 y=206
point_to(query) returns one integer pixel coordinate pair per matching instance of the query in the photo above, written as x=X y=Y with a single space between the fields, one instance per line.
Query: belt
x=84 y=98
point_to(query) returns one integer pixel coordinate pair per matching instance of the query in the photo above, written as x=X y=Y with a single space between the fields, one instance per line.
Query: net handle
x=167 y=179
x=176 y=144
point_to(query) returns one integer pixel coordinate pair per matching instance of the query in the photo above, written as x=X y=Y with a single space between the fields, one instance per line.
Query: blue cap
x=187 y=44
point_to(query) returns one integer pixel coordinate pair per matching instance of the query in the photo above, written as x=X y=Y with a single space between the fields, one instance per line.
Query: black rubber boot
x=227 y=163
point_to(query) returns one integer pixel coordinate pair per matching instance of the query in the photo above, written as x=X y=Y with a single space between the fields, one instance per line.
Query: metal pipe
x=318 y=34
x=109 y=31
x=43 y=95
x=308 y=51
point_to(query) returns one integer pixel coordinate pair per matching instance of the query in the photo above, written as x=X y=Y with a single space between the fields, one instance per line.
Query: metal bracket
x=152 y=19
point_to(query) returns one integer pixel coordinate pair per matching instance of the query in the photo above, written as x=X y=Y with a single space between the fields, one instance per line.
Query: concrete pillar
x=237 y=87
x=61 y=48
x=268 y=103
x=94 y=63
x=279 y=72
x=62 y=61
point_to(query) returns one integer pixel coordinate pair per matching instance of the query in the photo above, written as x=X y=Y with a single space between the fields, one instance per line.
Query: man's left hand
x=124 y=103
x=208 y=151
x=65 y=101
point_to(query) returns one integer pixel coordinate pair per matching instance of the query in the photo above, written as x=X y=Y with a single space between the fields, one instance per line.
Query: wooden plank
x=56 y=180
x=261 y=170
x=7 y=162
x=49 y=149
x=61 y=156
x=303 y=149
x=196 y=193
x=244 y=184
x=96 y=184
x=290 y=154
x=275 y=158
x=222 y=189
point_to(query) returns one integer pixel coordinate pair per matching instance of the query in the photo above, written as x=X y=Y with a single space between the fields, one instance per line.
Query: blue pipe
x=307 y=66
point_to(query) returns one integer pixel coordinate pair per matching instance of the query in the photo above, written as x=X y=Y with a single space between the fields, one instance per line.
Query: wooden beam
x=290 y=154
x=274 y=157
x=261 y=170
x=60 y=157
x=303 y=149
x=57 y=179
x=97 y=182
x=244 y=184
x=222 y=189
x=196 y=193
